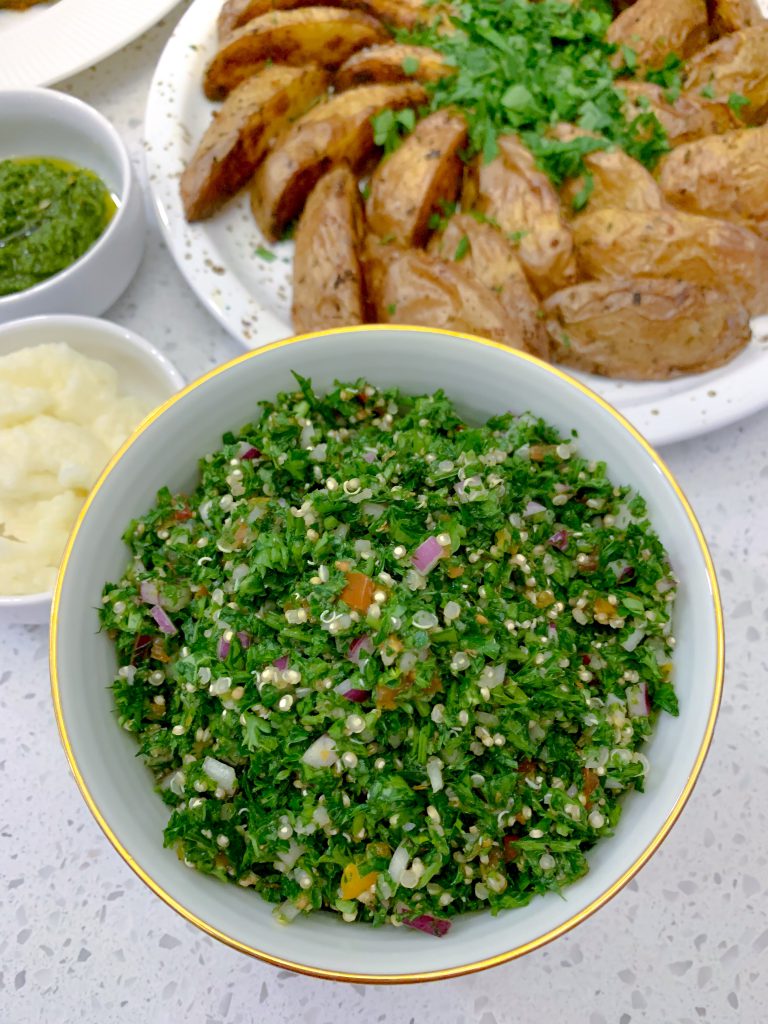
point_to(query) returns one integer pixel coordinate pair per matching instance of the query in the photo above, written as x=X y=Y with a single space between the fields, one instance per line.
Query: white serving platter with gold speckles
x=246 y=282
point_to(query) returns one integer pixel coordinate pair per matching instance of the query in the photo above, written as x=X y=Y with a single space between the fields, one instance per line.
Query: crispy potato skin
x=410 y=286
x=722 y=176
x=669 y=243
x=407 y=186
x=322 y=35
x=732 y=15
x=384 y=63
x=402 y=13
x=514 y=193
x=242 y=131
x=737 y=63
x=618 y=181
x=690 y=117
x=327 y=275
x=337 y=129
x=493 y=261
x=654 y=28
x=644 y=329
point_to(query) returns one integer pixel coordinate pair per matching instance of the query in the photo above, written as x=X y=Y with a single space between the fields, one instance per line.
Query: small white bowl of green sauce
x=72 y=223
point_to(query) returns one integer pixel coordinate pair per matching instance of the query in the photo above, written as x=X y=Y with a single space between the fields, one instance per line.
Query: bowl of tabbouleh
x=386 y=654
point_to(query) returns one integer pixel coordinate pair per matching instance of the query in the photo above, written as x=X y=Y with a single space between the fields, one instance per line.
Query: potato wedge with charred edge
x=337 y=129
x=327 y=275
x=410 y=286
x=407 y=186
x=737 y=63
x=722 y=176
x=520 y=198
x=483 y=249
x=655 y=28
x=732 y=15
x=669 y=243
x=689 y=117
x=644 y=329
x=385 y=63
x=241 y=132
x=402 y=13
x=322 y=35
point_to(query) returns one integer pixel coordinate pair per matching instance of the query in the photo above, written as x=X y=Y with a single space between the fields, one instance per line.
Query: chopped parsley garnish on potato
x=389 y=664
x=523 y=67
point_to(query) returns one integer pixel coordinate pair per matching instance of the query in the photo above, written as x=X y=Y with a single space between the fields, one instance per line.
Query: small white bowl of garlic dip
x=72 y=389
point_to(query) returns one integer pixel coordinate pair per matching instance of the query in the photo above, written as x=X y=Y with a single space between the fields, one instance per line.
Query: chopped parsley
x=265 y=254
x=523 y=67
x=389 y=664
x=391 y=126
x=462 y=248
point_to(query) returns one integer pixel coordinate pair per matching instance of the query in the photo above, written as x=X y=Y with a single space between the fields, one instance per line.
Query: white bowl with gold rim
x=482 y=378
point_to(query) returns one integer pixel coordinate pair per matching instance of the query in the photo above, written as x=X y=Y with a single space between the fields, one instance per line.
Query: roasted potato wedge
x=732 y=15
x=402 y=13
x=654 y=28
x=410 y=286
x=337 y=129
x=722 y=176
x=407 y=186
x=484 y=251
x=690 y=116
x=241 y=132
x=321 y=35
x=617 y=181
x=387 y=63
x=327 y=275
x=737 y=63
x=669 y=243
x=644 y=328
x=516 y=195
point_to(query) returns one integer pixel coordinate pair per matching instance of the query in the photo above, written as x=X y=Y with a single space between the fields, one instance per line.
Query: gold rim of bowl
x=475 y=965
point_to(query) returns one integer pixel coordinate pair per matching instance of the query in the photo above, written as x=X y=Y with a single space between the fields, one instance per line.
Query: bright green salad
x=385 y=663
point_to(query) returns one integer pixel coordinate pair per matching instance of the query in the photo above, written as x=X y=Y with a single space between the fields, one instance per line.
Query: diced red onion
x=359 y=646
x=161 y=618
x=430 y=925
x=249 y=452
x=281 y=663
x=245 y=640
x=222 y=774
x=398 y=864
x=222 y=648
x=533 y=508
x=149 y=593
x=357 y=696
x=638 y=704
x=559 y=540
x=369 y=456
x=427 y=555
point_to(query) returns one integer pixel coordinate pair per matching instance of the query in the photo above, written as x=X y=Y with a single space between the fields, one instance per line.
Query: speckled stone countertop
x=82 y=940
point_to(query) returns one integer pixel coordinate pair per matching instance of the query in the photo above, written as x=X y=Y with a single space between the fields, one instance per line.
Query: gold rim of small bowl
x=475 y=965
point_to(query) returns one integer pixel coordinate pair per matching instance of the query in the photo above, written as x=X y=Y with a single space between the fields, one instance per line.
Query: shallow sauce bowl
x=482 y=378
x=142 y=372
x=46 y=123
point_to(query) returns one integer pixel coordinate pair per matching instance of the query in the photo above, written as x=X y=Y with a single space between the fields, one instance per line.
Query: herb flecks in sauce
x=524 y=67
x=51 y=213
x=337 y=728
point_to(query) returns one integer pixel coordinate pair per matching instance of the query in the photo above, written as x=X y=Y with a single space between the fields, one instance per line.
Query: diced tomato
x=358 y=593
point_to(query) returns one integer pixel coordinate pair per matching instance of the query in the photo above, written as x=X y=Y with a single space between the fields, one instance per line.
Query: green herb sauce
x=497 y=701
x=51 y=212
